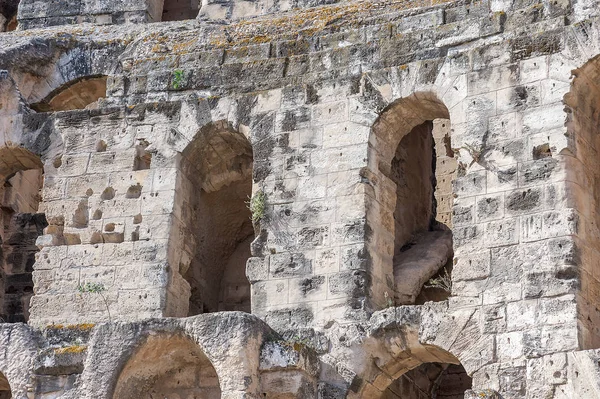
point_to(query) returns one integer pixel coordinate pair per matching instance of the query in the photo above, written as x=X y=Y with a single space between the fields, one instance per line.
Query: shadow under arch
x=582 y=166
x=214 y=186
x=412 y=165
x=401 y=344
x=166 y=364
x=230 y=340
x=398 y=119
x=21 y=176
x=5 y=391
x=80 y=93
x=440 y=377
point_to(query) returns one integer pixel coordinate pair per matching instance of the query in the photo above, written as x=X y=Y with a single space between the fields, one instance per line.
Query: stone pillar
x=310 y=265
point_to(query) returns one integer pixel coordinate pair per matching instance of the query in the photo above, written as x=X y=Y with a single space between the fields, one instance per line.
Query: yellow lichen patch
x=181 y=47
x=309 y=22
x=79 y=327
x=73 y=349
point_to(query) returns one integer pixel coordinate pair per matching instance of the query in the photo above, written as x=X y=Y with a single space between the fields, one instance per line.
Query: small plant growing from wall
x=389 y=302
x=177 y=81
x=257 y=205
x=95 y=288
x=444 y=282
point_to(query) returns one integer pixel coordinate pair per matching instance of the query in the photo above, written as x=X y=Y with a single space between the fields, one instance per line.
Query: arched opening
x=431 y=381
x=215 y=185
x=415 y=169
x=583 y=186
x=180 y=10
x=168 y=367
x=78 y=94
x=5 y=391
x=8 y=15
x=407 y=369
x=20 y=225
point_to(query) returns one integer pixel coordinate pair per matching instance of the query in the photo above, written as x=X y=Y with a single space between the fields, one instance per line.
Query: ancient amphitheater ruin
x=329 y=199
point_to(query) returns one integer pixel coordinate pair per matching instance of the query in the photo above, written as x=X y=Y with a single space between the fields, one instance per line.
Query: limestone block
x=287 y=265
x=504 y=232
x=326 y=261
x=269 y=293
x=471 y=266
x=277 y=355
x=308 y=289
x=257 y=269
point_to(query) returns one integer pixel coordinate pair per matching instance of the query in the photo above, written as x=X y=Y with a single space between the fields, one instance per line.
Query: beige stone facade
x=299 y=199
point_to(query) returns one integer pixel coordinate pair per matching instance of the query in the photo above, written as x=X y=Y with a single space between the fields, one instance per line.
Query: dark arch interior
x=583 y=184
x=422 y=170
x=431 y=381
x=216 y=182
x=20 y=226
x=8 y=15
x=179 y=10
x=78 y=94
x=168 y=367
x=5 y=391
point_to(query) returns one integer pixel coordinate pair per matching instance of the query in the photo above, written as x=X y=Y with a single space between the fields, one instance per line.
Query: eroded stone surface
x=316 y=164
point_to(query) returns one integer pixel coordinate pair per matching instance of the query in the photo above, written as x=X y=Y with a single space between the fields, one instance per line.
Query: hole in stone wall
x=108 y=194
x=101 y=146
x=143 y=158
x=135 y=235
x=57 y=163
x=97 y=214
x=216 y=181
x=78 y=94
x=179 y=10
x=96 y=238
x=20 y=226
x=81 y=216
x=134 y=192
x=431 y=380
x=187 y=373
x=542 y=151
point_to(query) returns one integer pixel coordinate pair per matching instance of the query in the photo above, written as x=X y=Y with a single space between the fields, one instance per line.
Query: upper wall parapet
x=40 y=13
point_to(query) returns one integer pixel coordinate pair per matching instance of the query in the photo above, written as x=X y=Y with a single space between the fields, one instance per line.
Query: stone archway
x=430 y=380
x=215 y=183
x=77 y=94
x=413 y=164
x=166 y=365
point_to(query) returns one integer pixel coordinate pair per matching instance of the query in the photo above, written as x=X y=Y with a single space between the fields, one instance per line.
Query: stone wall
x=349 y=156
